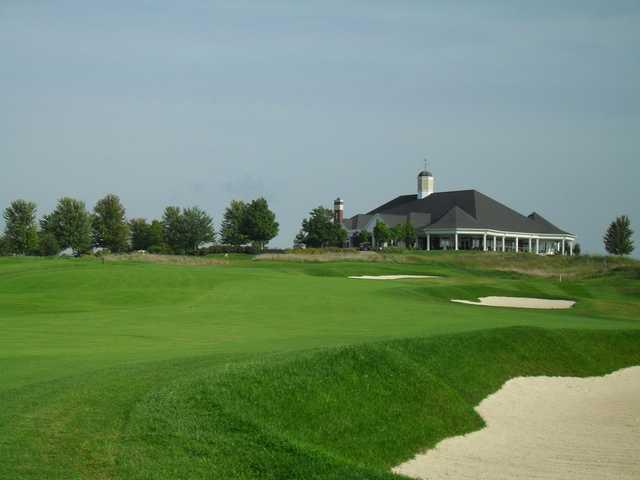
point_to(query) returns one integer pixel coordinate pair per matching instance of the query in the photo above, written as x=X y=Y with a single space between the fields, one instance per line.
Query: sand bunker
x=520 y=302
x=546 y=428
x=392 y=277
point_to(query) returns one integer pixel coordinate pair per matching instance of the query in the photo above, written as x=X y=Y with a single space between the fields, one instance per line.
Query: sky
x=536 y=104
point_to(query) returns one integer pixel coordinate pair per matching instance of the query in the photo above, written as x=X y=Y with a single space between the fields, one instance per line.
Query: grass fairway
x=266 y=369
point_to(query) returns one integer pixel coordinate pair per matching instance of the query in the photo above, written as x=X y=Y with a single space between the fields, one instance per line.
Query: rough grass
x=322 y=256
x=127 y=369
x=522 y=263
x=164 y=259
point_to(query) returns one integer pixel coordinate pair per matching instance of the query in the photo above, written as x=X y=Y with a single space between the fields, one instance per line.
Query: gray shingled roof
x=459 y=209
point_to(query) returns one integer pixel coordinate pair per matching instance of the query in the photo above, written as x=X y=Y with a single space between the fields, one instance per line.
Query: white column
x=428 y=242
x=530 y=246
x=504 y=243
x=517 y=241
x=537 y=246
x=495 y=243
x=456 y=235
x=563 y=246
x=484 y=242
x=571 y=248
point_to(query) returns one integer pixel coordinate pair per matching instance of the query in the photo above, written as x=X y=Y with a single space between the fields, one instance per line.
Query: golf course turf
x=272 y=369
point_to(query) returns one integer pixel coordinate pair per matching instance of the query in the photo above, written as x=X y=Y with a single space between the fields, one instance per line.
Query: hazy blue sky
x=536 y=104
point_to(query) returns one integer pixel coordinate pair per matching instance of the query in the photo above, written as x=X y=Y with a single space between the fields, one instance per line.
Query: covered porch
x=491 y=240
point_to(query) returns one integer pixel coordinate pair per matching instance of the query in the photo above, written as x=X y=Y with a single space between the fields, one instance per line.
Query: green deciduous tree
x=48 y=245
x=361 y=237
x=70 y=224
x=140 y=232
x=156 y=235
x=4 y=246
x=146 y=235
x=409 y=235
x=110 y=229
x=319 y=230
x=259 y=224
x=396 y=233
x=617 y=240
x=173 y=229
x=21 y=231
x=231 y=230
x=197 y=229
x=381 y=233
x=184 y=230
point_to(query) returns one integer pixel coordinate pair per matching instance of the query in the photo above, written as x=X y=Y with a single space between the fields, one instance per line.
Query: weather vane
x=425 y=164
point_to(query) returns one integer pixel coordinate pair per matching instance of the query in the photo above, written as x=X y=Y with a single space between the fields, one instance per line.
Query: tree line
x=178 y=231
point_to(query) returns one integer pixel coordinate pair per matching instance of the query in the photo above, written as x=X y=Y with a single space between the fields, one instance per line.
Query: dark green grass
x=353 y=412
x=138 y=370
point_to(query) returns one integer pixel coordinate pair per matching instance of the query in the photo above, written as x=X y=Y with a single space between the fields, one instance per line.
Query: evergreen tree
x=70 y=224
x=259 y=223
x=231 y=230
x=617 y=240
x=21 y=231
x=110 y=229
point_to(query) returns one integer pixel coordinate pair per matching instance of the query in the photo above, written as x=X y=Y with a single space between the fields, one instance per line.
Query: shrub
x=158 y=249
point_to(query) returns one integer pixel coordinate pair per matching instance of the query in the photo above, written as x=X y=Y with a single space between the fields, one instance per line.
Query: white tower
x=426 y=185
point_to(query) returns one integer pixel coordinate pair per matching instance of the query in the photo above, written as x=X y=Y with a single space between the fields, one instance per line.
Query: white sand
x=546 y=428
x=520 y=302
x=392 y=277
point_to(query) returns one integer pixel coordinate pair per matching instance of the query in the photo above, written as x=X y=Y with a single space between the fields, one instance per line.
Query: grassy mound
x=352 y=412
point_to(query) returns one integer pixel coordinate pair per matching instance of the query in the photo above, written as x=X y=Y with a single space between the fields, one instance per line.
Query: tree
x=259 y=223
x=21 y=231
x=319 y=230
x=139 y=230
x=110 y=229
x=184 y=230
x=197 y=229
x=70 y=224
x=173 y=229
x=617 y=240
x=361 y=237
x=156 y=235
x=231 y=230
x=48 y=245
x=577 y=249
x=409 y=234
x=381 y=233
x=146 y=235
x=4 y=246
x=396 y=233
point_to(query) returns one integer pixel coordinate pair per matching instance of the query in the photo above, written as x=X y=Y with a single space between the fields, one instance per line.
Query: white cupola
x=426 y=184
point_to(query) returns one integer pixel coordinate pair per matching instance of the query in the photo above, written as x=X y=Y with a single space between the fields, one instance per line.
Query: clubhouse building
x=461 y=220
